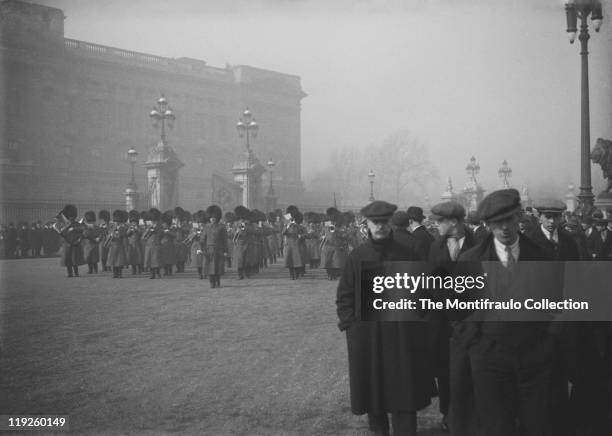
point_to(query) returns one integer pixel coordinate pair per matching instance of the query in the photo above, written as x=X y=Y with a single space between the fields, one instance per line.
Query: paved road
x=171 y=356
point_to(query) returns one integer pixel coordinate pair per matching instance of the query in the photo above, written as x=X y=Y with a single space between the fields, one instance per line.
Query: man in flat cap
x=388 y=370
x=511 y=363
x=454 y=239
x=400 y=223
x=478 y=229
x=550 y=235
x=418 y=230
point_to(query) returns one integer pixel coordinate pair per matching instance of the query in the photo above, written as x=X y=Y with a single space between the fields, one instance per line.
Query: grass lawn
x=261 y=356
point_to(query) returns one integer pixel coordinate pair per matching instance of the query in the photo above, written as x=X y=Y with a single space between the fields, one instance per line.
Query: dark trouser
x=71 y=269
x=404 y=423
x=214 y=280
x=200 y=273
x=513 y=383
x=292 y=273
x=462 y=416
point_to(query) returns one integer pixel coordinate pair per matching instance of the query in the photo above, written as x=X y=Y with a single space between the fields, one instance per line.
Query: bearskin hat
x=229 y=217
x=154 y=214
x=166 y=217
x=69 y=211
x=179 y=213
x=104 y=215
x=90 y=216
x=298 y=217
x=332 y=213
x=257 y=215
x=214 y=211
x=292 y=210
x=242 y=213
x=133 y=216
x=198 y=216
x=144 y=215
x=117 y=215
x=311 y=217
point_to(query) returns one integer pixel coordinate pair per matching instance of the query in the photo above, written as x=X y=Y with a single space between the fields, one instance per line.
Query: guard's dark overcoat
x=294 y=248
x=334 y=248
x=424 y=239
x=242 y=240
x=389 y=369
x=117 y=248
x=565 y=249
x=89 y=244
x=213 y=243
x=152 y=255
x=135 y=255
x=72 y=253
x=168 y=249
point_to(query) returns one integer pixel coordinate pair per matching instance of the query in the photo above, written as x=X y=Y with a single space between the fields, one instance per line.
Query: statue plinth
x=247 y=173
x=131 y=198
x=163 y=167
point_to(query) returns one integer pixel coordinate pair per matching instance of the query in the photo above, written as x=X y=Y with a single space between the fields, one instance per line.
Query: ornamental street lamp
x=575 y=9
x=271 y=165
x=161 y=114
x=472 y=169
x=505 y=172
x=247 y=126
x=371 y=176
x=131 y=193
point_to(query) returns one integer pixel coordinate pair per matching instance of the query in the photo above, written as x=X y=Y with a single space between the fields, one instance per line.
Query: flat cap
x=415 y=213
x=378 y=209
x=499 y=205
x=552 y=205
x=400 y=218
x=448 y=209
x=473 y=218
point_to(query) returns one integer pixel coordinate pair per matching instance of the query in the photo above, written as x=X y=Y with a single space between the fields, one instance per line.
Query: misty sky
x=494 y=79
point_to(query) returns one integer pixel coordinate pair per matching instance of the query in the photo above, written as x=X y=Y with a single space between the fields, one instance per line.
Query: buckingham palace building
x=72 y=109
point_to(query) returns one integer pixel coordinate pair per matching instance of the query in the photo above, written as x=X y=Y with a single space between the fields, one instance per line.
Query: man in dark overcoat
x=213 y=243
x=558 y=244
x=453 y=239
x=104 y=217
x=71 y=233
x=294 y=254
x=134 y=254
x=400 y=223
x=478 y=229
x=418 y=230
x=89 y=243
x=389 y=370
x=512 y=363
x=152 y=236
x=117 y=243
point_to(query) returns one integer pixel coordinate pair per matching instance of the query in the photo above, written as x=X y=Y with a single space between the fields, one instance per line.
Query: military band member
x=181 y=250
x=193 y=242
x=89 y=243
x=117 y=243
x=229 y=218
x=293 y=252
x=241 y=241
x=388 y=361
x=152 y=237
x=313 y=239
x=168 y=250
x=213 y=244
x=36 y=239
x=104 y=217
x=71 y=233
x=135 y=256
x=334 y=245
x=272 y=237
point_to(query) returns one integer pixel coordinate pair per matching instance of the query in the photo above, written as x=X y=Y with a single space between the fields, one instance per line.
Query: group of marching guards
x=247 y=240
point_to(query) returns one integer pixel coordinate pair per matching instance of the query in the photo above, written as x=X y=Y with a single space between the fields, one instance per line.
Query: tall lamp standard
x=131 y=193
x=162 y=113
x=575 y=9
x=271 y=196
x=505 y=172
x=247 y=126
x=472 y=169
x=371 y=176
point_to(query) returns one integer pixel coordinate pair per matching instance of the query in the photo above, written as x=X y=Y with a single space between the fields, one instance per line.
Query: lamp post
x=131 y=193
x=472 y=169
x=505 y=172
x=371 y=176
x=575 y=9
x=247 y=126
x=161 y=114
x=271 y=166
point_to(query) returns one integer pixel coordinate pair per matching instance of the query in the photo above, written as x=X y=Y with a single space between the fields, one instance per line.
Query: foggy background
x=494 y=79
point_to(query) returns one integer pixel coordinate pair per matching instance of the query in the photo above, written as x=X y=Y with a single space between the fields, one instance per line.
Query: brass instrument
x=63 y=226
x=191 y=237
x=148 y=232
x=113 y=232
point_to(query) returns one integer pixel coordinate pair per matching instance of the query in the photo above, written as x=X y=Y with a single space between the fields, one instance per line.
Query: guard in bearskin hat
x=334 y=246
x=292 y=233
x=229 y=218
x=168 y=249
x=181 y=249
x=213 y=245
x=89 y=243
x=135 y=256
x=273 y=236
x=71 y=233
x=104 y=217
x=242 y=241
x=116 y=242
x=313 y=239
x=193 y=241
x=152 y=236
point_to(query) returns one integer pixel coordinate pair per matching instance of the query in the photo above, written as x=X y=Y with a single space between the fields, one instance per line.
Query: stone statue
x=602 y=154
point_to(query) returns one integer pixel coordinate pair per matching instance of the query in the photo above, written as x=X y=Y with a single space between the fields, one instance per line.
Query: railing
x=170 y=63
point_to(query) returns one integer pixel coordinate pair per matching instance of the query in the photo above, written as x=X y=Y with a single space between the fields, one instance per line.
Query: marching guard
x=241 y=241
x=334 y=245
x=293 y=252
x=152 y=237
x=213 y=243
x=104 y=217
x=71 y=233
x=116 y=241
x=168 y=250
x=89 y=243
x=135 y=256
